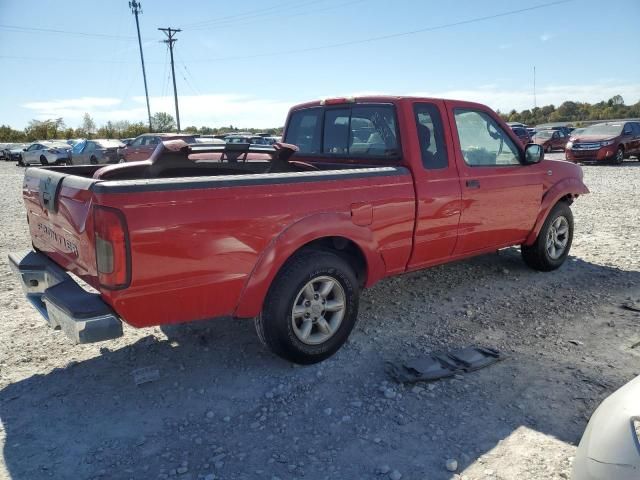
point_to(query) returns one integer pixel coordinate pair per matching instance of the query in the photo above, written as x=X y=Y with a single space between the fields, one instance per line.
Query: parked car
x=7 y=148
x=605 y=142
x=272 y=140
x=610 y=446
x=375 y=187
x=144 y=145
x=46 y=153
x=551 y=140
x=95 y=151
x=561 y=128
x=209 y=139
x=522 y=134
x=251 y=139
x=14 y=152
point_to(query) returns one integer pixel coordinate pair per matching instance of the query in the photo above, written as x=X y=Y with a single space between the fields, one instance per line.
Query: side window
x=556 y=134
x=153 y=140
x=431 y=136
x=137 y=142
x=636 y=128
x=90 y=146
x=482 y=140
x=627 y=130
x=32 y=148
x=372 y=132
x=336 y=131
x=304 y=130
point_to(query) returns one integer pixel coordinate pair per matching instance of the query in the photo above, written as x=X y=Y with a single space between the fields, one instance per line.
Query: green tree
x=88 y=126
x=162 y=122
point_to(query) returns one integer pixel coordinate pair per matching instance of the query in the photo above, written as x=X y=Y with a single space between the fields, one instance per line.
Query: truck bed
x=195 y=240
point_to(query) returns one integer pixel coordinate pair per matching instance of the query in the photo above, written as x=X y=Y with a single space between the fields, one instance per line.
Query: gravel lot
x=223 y=407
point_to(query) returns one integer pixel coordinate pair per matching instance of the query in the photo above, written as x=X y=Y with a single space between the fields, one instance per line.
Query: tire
x=549 y=149
x=43 y=160
x=541 y=256
x=619 y=158
x=93 y=160
x=286 y=332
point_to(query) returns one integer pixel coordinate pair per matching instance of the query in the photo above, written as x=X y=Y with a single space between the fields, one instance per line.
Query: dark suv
x=523 y=134
x=605 y=142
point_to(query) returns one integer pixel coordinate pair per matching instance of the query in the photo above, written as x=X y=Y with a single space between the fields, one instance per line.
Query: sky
x=246 y=63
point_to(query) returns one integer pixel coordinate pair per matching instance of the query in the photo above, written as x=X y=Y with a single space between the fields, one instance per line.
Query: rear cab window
x=351 y=131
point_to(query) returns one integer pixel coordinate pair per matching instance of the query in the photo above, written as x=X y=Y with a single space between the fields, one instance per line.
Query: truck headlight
x=606 y=143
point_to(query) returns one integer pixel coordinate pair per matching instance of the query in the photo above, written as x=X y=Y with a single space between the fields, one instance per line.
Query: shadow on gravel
x=221 y=401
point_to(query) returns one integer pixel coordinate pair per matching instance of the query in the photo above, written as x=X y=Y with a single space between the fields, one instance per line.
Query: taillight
x=112 y=248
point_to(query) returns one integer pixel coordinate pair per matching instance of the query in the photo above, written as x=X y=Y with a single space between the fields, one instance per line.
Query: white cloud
x=249 y=111
x=546 y=37
x=210 y=110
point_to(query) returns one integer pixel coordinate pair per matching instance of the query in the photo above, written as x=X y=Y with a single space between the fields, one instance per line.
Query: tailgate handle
x=49 y=189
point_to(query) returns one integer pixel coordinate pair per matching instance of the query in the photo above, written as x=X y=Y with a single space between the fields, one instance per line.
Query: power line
x=20 y=29
x=229 y=17
x=258 y=18
x=389 y=36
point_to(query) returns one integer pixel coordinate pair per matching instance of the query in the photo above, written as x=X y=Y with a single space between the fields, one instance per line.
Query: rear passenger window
x=336 y=131
x=304 y=130
x=431 y=136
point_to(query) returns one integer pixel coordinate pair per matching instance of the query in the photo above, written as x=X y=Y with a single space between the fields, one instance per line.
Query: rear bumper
x=83 y=316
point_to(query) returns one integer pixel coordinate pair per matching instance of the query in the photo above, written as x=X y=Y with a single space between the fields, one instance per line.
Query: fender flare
x=572 y=187
x=294 y=237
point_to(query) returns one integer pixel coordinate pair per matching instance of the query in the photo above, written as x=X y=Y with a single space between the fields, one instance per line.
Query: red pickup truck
x=286 y=235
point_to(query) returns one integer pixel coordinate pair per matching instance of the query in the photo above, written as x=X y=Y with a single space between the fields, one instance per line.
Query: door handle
x=473 y=183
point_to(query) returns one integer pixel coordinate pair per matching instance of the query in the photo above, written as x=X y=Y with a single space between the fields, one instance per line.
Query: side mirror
x=533 y=153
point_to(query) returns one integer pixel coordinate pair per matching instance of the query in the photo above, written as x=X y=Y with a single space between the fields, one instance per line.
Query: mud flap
x=442 y=365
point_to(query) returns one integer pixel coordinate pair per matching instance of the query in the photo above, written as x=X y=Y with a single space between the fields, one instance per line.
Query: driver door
x=501 y=197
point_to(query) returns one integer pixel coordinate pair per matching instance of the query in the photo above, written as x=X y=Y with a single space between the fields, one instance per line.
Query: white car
x=610 y=445
x=47 y=153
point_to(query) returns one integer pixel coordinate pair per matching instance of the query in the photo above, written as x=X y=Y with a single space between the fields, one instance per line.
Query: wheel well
x=568 y=198
x=345 y=249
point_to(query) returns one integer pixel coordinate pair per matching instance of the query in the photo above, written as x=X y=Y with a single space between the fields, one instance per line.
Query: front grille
x=585 y=146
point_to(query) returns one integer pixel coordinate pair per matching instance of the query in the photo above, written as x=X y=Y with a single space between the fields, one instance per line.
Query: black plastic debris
x=634 y=307
x=442 y=365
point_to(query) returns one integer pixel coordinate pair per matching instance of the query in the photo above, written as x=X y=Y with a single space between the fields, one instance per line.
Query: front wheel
x=549 y=149
x=552 y=246
x=311 y=307
x=619 y=158
x=43 y=160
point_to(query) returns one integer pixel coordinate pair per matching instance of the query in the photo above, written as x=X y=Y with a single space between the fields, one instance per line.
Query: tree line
x=161 y=122
x=575 y=112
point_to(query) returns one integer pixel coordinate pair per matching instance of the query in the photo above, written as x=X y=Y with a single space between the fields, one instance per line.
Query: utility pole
x=136 y=8
x=535 y=100
x=170 y=32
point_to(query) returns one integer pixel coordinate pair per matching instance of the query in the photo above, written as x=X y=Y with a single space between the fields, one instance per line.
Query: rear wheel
x=549 y=149
x=43 y=160
x=311 y=307
x=552 y=246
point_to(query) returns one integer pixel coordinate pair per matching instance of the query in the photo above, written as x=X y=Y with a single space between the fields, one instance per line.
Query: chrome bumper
x=83 y=316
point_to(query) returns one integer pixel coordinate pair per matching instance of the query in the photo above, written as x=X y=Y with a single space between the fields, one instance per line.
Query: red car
x=376 y=187
x=143 y=146
x=551 y=140
x=605 y=142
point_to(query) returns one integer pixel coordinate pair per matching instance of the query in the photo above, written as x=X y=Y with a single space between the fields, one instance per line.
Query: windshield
x=608 y=129
x=544 y=134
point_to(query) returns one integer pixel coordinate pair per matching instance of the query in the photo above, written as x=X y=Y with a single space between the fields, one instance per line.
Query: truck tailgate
x=60 y=219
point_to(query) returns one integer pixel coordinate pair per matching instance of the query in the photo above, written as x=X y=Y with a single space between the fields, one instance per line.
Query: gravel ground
x=223 y=407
